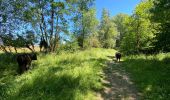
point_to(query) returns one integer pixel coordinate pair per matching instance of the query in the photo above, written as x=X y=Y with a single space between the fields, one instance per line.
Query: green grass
x=67 y=76
x=151 y=74
x=76 y=76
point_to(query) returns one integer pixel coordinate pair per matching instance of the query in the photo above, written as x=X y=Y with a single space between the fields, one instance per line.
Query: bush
x=68 y=47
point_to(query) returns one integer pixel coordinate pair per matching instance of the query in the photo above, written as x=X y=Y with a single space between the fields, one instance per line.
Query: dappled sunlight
x=84 y=49
x=117 y=84
x=64 y=76
x=150 y=74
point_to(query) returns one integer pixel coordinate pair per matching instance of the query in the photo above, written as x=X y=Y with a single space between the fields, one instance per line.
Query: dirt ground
x=117 y=84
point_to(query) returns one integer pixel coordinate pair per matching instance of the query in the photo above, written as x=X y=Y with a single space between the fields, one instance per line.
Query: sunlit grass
x=67 y=76
x=150 y=74
x=20 y=50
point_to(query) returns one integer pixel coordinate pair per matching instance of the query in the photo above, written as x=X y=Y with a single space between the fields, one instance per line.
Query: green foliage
x=69 y=47
x=162 y=41
x=128 y=44
x=11 y=15
x=90 y=24
x=150 y=74
x=18 y=41
x=140 y=30
x=161 y=15
x=121 y=25
x=85 y=25
x=50 y=19
x=107 y=31
x=73 y=76
x=161 y=7
x=30 y=36
x=85 y=21
x=93 y=41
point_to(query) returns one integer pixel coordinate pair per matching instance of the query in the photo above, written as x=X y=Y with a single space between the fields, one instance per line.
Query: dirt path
x=117 y=84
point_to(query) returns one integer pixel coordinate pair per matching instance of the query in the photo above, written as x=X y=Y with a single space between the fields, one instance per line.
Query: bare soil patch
x=117 y=84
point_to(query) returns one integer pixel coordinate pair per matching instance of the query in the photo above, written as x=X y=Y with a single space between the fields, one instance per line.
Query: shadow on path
x=117 y=84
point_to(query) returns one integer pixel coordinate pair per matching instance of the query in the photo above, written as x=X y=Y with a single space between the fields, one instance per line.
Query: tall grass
x=67 y=76
x=151 y=74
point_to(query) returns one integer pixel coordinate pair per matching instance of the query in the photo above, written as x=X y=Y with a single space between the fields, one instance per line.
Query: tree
x=161 y=15
x=49 y=19
x=120 y=21
x=14 y=18
x=7 y=42
x=84 y=20
x=141 y=30
x=89 y=24
x=128 y=43
x=107 y=31
x=11 y=12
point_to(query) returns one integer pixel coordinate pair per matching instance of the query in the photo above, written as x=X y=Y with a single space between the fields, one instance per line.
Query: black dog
x=118 y=56
x=24 y=61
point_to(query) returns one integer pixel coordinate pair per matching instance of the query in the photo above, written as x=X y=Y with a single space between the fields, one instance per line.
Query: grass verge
x=67 y=76
x=150 y=74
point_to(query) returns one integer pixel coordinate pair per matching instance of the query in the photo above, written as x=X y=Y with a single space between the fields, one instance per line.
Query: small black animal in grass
x=118 y=56
x=24 y=61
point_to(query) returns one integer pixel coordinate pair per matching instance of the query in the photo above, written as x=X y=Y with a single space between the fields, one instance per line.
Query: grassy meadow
x=151 y=74
x=78 y=75
x=67 y=76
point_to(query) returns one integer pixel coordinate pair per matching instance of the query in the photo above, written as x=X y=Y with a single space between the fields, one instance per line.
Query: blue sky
x=116 y=6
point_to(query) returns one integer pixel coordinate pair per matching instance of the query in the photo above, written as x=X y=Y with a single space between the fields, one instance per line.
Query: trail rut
x=117 y=84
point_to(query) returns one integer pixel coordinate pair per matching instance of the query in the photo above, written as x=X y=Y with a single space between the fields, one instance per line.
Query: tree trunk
x=57 y=38
x=52 y=27
x=138 y=36
x=42 y=34
x=4 y=49
x=15 y=50
x=44 y=27
x=42 y=24
x=83 y=32
x=9 y=49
